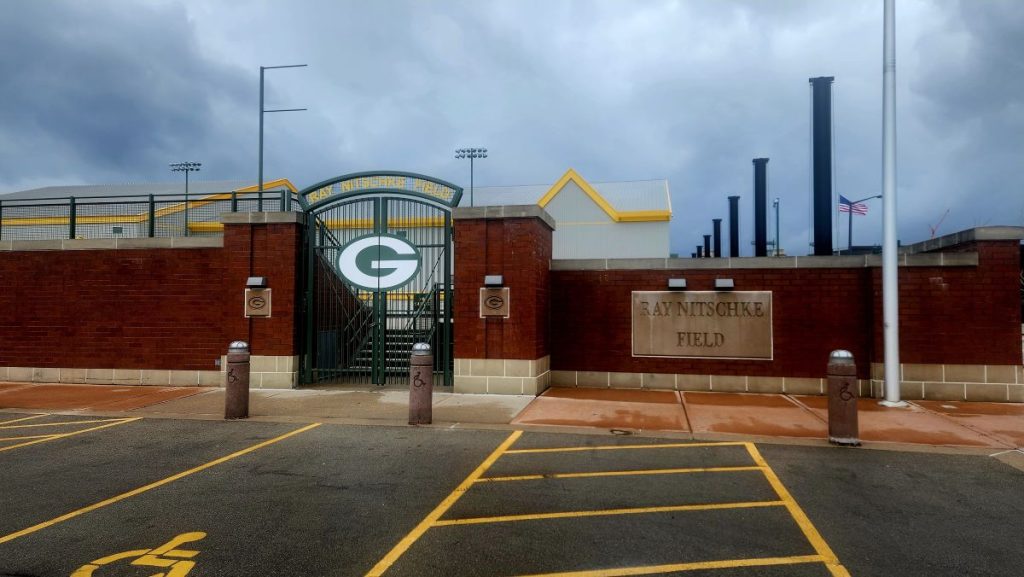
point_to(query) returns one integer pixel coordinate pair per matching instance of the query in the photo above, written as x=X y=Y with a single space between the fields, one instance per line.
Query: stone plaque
x=703 y=324
x=257 y=302
x=494 y=302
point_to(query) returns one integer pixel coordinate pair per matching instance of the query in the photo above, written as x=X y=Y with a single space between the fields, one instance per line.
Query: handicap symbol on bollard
x=168 y=556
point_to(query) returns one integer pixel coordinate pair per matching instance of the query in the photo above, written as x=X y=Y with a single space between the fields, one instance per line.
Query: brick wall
x=961 y=315
x=814 y=312
x=948 y=315
x=146 y=308
x=520 y=250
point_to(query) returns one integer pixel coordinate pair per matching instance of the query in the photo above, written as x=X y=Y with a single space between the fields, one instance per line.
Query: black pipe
x=821 y=126
x=760 y=207
x=707 y=245
x=734 y=226
x=718 y=236
x=700 y=251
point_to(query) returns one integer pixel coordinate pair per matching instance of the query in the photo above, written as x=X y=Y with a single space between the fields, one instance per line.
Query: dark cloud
x=690 y=91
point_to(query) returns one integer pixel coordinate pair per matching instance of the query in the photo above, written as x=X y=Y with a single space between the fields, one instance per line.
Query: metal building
x=596 y=220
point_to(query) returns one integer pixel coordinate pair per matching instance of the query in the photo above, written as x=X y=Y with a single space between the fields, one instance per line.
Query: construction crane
x=938 y=224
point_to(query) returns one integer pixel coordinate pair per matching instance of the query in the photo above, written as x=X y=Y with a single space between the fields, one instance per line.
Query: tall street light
x=471 y=153
x=186 y=167
x=259 y=206
x=849 y=227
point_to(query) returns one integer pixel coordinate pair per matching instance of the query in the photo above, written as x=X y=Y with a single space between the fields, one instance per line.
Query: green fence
x=161 y=215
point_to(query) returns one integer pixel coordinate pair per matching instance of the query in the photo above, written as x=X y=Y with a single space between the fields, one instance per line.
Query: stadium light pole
x=471 y=153
x=259 y=206
x=849 y=227
x=186 y=167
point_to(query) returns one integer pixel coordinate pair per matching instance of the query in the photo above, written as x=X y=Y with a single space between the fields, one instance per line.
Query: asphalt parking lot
x=85 y=496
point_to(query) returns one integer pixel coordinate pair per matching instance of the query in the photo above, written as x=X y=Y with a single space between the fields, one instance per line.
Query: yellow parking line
x=606 y=512
x=71 y=434
x=26 y=437
x=59 y=423
x=617 y=473
x=151 y=486
x=618 y=447
x=24 y=418
x=696 y=566
x=819 y=544
x=429 y=521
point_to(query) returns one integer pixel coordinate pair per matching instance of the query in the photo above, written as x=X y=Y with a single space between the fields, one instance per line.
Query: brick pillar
x=266 y=244
x=495 y=354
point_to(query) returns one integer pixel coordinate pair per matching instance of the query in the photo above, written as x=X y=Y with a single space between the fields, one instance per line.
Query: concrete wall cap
x=263 y=217
x=980 y=233
x=501 y=212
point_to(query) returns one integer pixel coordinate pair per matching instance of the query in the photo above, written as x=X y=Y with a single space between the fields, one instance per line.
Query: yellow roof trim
x=645 y=216
x=590 y=191
x=272 y=184
x=572 y=175
x=206 y=227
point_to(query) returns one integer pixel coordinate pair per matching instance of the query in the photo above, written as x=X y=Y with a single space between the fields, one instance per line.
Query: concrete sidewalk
x=698 y=415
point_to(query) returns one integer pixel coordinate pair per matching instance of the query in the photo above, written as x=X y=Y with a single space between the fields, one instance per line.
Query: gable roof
x=632 y=201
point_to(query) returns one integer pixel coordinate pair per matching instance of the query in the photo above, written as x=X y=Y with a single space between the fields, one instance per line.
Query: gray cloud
x=690 y=91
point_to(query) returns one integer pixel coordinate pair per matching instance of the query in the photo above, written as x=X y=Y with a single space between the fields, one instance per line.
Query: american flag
x=846 y=206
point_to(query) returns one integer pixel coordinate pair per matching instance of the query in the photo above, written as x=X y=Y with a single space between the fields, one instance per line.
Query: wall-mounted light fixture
x=494 y=280
x=256 y=282
x=677 y=284
x=724 y=284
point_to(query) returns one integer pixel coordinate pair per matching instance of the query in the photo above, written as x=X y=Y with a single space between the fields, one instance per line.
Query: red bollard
x=421 y=385
x=236 y=389
x=842 y=399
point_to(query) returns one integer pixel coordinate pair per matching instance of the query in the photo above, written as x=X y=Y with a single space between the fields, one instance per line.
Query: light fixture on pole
x=186 y=167
x=849 y=209
x=471 y=153
x=775 y=205
x=259 y=206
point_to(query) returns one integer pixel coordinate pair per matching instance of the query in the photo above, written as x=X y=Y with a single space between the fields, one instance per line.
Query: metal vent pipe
x=821 y=128
x=717 y=222
x=734 y=226
x=760 y=207
x=707 y=245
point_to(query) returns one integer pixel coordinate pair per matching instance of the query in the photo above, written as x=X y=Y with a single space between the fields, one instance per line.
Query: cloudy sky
x=112 y=91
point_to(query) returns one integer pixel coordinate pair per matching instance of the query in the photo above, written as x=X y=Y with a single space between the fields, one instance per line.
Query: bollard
x=236 y=393
x=421 y=385
x=842 y=399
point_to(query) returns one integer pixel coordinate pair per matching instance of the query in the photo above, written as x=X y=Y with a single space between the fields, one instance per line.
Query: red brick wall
x=951 y=315
x=272 y=251
x=145 y=308
x=520 y=250
x=958 y=315
x=814 y=312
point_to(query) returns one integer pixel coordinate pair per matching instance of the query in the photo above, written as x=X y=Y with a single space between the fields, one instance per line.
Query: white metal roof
x=133 y=190
x=624 y=196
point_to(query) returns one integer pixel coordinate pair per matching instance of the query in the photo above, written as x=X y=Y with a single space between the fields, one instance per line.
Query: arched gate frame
x=358 y=330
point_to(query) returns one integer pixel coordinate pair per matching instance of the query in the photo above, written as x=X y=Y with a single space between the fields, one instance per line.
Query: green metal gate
x=358 y=329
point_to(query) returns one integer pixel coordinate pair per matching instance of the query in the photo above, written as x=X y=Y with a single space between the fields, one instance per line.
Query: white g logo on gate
x=378 y=262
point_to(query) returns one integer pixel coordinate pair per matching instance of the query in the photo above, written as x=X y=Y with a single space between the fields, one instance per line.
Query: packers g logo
x=378 y=262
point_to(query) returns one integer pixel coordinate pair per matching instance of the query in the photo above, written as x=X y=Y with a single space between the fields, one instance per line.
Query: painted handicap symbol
x=168 y=556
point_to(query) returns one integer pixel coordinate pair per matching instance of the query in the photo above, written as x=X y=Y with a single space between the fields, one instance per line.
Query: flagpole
x=890 y=276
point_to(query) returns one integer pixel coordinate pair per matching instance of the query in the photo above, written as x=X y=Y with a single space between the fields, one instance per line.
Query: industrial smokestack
x=734 y=226
x=718 y=236
x=760 y=207
x=700 y=251
x=707 y=245
x=821 y=126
